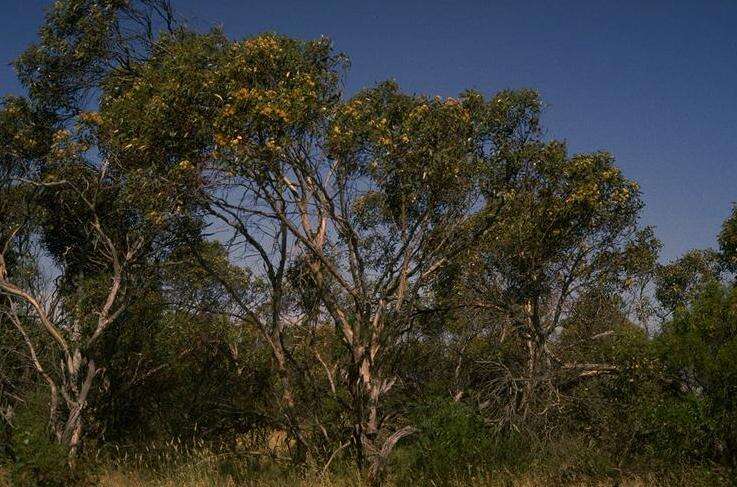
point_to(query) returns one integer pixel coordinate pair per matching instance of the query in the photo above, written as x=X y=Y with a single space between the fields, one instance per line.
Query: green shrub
x=39 y=459
x=699 y=347
x=678 y=430
x=452 y=440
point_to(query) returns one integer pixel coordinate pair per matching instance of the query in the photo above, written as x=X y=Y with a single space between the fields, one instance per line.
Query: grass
x=198 y=477
x=195 y=467
x=208 y=473
x=174 y=464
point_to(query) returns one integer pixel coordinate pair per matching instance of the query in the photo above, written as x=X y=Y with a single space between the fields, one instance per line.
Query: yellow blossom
x=229 y=111
x=91 y=117
x=221 y=139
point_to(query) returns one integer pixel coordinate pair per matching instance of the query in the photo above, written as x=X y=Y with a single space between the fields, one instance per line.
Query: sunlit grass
x=249 y=462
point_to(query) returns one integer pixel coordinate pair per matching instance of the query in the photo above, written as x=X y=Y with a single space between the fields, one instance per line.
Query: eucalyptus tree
x=699 y=339
x=84 y=225
x=22 y=136
x=728 y=241
x=99 y=242
x=679 y=281
x=567 y=226
x=80 y=42
x=698 y=346
x=338 y=213
x=334 y=227
x=404 y=197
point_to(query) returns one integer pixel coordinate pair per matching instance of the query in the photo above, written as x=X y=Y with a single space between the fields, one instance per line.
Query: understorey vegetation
x=217 y=268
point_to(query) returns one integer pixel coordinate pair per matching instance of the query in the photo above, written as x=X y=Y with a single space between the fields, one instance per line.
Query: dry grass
x=201 y=475
x=206 y=473
x=173 y=464
x=203 y=479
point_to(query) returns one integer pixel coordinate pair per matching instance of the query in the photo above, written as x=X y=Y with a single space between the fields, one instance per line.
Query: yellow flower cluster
x=184 y=165
x=385 y=141
x=274 y=112
x=611 y=173
x=155 y=217
x=229 y=110
x=245 y=93
x=221 y=139
x=621 y=195
x=267 y=42
x=64 y=146
x=419 y=111
x=12 y=110
x=353 y=107
x=60 y=136
x=381 y=124
x=589 y=192
x=267 y=103
x=91 y=117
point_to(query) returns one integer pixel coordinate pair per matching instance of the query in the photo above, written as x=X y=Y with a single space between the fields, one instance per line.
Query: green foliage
x=423 y=153
x=613 y=408
x=728 y=241
x=678 y=430
x=452 y=440
x=678 y=282
x=562 y=206
x=38 y=459
x=79 y=42
x=699 y=346
x=477 y=271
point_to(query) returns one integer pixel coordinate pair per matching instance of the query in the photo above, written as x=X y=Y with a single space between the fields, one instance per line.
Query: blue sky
x=654 y=82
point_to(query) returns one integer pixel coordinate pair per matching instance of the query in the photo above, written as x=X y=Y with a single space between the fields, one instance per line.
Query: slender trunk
x=535 y=345
x=288 y=404
x=74 y=441
x=76 y=392
x=358 y=406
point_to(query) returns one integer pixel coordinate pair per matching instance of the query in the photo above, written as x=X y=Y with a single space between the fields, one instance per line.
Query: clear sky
x=654 y=82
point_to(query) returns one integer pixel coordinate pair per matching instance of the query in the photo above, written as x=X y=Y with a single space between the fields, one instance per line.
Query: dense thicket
x=206 y=240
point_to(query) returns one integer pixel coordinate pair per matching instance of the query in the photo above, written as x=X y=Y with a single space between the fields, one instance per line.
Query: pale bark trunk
x=76 y=395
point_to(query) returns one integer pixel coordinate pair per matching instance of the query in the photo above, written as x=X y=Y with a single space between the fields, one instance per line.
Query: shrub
x=39 y=459
x=678 y=430
x=452 y=440
x=699 y=347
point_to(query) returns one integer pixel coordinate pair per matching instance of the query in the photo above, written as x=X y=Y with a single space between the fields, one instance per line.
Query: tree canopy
x=207 y=236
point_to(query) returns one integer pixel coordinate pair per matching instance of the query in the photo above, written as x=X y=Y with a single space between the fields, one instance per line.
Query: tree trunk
x=76 y=394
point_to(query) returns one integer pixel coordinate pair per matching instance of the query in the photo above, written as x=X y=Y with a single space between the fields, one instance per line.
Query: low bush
x=37 y=459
